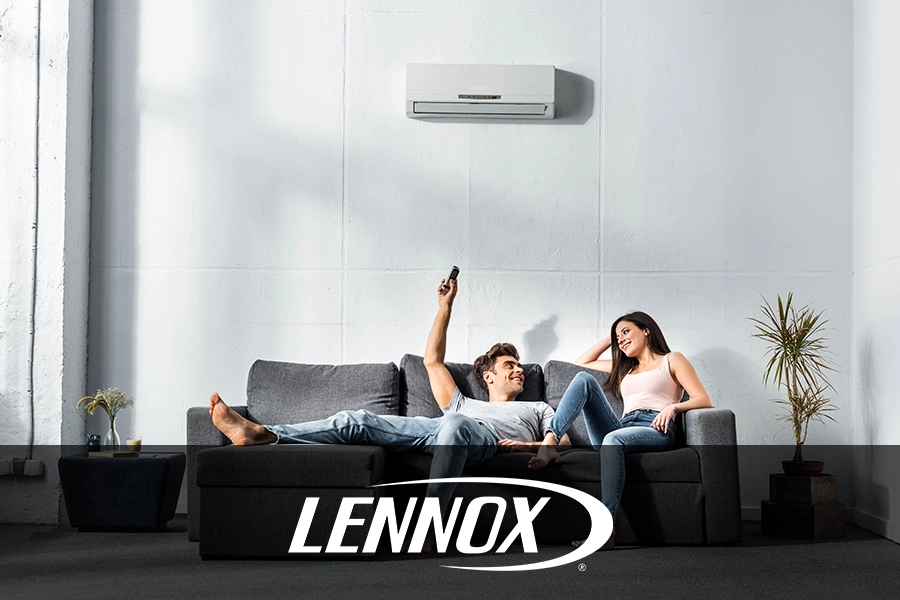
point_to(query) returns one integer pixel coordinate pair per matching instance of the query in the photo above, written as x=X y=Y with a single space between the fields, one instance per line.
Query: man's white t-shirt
x=520 y=421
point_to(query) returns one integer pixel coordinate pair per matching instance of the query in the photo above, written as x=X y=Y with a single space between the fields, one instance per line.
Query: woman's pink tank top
x=651 y=389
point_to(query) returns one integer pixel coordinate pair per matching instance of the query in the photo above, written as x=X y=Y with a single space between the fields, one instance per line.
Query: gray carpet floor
x=66 y=564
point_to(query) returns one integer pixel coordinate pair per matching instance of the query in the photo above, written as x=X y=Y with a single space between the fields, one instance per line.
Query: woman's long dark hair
x=621 y=364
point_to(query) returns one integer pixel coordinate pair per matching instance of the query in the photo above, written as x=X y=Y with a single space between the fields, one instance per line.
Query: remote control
x=453 y=273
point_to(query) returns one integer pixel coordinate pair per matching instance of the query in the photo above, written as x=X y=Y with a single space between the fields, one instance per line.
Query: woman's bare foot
x=609 y=545
x=546 y=454
x=236 y=428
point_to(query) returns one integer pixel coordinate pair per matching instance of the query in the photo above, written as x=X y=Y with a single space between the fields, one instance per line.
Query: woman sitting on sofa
x=650 y=379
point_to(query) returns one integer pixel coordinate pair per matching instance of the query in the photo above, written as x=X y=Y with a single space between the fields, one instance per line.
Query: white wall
x=259 y=193
x=45 y=136
x=18 y=125
x=876 y=262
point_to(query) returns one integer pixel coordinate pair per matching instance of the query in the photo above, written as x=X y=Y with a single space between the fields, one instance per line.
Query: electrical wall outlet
x=33 y=468
x=10 y=465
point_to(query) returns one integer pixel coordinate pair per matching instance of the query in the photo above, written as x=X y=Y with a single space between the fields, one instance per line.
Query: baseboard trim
x=877 y=525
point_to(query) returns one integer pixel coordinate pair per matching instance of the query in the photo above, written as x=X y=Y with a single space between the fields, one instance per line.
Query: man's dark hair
x=486 y=361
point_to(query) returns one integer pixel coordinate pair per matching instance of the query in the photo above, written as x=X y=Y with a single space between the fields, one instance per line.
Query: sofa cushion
x=291 y=465
x=279 y=392
x=416 y=399
x=578 y=465
x=572 y=466
x=672 y=466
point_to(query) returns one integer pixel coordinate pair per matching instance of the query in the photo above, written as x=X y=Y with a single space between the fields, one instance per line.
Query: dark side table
x=803 y=506
x=125 y=493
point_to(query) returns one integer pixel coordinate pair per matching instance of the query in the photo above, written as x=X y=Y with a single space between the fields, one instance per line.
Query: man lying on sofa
x=469 y=433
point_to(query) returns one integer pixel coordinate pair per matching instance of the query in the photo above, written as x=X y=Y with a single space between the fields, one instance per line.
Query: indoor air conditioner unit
x=480 y=91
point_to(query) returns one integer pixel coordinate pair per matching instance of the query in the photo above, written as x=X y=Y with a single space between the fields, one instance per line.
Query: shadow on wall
x=734 y=381
x=241 y=158
x=115 y=181
x=872 y=498
x=574 y=98
x=866 y=391
x=540 y=341
x=240 y=161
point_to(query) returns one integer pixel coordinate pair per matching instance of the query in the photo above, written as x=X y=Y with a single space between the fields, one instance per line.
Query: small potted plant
x=111 y=400
x=798 y=365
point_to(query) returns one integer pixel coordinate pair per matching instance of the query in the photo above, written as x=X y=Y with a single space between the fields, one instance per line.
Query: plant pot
x=802 y=467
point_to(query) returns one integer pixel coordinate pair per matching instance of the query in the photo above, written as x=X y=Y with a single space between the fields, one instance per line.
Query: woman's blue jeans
x=615 y=437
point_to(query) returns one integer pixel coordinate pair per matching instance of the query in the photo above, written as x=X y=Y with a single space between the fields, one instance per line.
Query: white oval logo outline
x=601 y=520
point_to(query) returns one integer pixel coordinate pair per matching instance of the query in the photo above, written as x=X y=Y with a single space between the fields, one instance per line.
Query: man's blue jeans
x=454 y=440
x=615 y=437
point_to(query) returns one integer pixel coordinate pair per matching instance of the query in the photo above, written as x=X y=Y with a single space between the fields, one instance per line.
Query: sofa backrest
x=416 y=399
x=279 y=392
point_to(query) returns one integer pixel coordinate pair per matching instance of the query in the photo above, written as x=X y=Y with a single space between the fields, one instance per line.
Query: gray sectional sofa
x=246 y=501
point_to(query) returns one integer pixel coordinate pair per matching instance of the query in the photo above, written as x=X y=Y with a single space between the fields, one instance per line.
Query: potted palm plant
x=798 y=365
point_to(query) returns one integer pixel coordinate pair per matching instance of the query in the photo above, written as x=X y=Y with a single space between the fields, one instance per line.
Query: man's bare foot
x=546 y=454
x=236 y=428
x=609 y=545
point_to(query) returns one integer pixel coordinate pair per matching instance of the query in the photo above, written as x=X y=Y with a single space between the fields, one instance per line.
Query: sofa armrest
x=709 y=427
x=200 y=428
x=712 y=434
x=201 y=434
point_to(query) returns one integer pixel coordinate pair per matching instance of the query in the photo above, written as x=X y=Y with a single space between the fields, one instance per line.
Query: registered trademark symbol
x=582 y=567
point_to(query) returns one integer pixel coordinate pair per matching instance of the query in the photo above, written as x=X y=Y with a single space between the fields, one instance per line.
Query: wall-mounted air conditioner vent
x=480 y=91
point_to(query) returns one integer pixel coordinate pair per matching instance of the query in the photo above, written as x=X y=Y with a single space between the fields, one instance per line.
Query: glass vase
x=111 y=440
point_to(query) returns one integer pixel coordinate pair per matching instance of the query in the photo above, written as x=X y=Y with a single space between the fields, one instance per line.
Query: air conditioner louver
x=480 y=91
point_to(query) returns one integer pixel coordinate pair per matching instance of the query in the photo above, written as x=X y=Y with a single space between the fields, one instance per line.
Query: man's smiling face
x=507 y=377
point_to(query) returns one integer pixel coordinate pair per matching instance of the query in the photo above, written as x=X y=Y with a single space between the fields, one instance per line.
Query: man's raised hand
x=442 y=384
x=447 y=292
